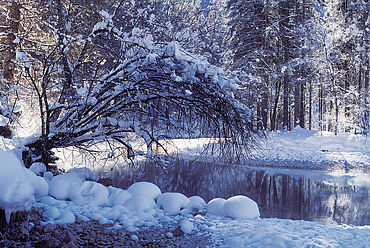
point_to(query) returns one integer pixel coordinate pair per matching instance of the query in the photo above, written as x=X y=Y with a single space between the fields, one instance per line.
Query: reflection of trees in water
x=280 y=196
x=283 y=196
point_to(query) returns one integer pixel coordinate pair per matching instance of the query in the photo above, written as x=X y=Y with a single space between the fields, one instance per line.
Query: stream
x=295 y=194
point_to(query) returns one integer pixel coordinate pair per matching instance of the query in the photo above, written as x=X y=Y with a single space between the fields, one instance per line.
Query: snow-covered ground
x=299 y=148
x=272 y=232
x=311 y=149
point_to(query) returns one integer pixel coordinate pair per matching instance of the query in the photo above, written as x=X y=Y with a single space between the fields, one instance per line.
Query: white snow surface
x=186 y=226
x=312 y=149
x=61 y=186
x=196 y=202
x=241 y=207
x=38 y=168
x=273 y=232
x=19 y=187
x=145 y=188
x=117 y=196
x=299 y=148
x=89 y=192
x=139 y=202
x=216 y=206
x=172 y=202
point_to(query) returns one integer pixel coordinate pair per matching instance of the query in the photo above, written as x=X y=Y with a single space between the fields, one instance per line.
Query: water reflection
x=278 y=195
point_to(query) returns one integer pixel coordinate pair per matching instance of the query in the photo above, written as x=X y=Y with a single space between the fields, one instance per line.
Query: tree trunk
x=302 y=109
x=310 y=107
x=286 y=104
x=14 y=16
x=274 y=111
x=297 y=104
x=265 y=108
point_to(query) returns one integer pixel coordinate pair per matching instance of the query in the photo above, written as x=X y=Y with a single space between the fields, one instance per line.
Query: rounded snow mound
x=89 y=192
x=139 y=203
x=117 y=196
x=186 y=226
x=196 y=202
x=38 y=168
x=241 y=207
x=61 y=186
x=216 y=206
x=18 y=186
x=172 y=203
x=145 y=188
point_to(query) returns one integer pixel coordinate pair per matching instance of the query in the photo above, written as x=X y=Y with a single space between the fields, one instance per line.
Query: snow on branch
x=154 y=89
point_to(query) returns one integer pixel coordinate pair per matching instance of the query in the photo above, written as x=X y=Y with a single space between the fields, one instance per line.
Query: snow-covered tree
x=89 y=92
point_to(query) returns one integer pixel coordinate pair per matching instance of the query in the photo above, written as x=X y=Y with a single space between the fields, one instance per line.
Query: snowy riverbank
x=299 y=148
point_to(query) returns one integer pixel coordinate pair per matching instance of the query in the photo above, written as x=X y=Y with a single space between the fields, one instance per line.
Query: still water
x=281 y=193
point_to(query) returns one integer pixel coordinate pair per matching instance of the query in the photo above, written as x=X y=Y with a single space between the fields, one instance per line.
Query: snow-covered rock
x=172 y=202
x=18 y=185
x=52 y=212
x=66 y=218
x=117 y=196
x=216 y=206
x=48 y=200
x=196 y=202
x=139 y=202
x=89 y=192
x=186 y=226
x=61 y=186
x=40 y=186
x=48 y=176
x=241 y=207
x=145 y=188
x=38 y=168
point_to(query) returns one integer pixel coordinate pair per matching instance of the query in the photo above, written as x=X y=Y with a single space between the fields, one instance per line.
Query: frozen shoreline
x=296 y=149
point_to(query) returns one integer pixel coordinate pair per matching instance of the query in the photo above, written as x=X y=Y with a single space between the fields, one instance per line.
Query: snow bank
x=299 y=148
x=241 y=207
x=304 y=148
x=52 y=212
x=271 y=232
x=18 y=186
x=132 y=211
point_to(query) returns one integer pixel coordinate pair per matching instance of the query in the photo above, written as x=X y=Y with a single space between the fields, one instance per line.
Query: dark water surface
x=281 y=193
